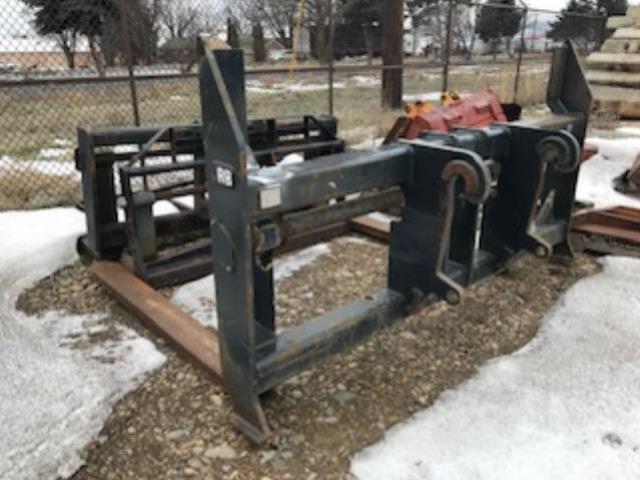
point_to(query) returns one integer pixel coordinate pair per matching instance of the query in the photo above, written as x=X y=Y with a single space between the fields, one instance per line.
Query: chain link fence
x=93 y=63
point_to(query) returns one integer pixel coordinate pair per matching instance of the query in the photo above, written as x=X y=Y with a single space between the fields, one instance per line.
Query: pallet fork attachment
x=470 y=199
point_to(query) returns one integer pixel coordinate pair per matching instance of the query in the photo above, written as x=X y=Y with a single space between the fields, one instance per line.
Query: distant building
x=39 y=54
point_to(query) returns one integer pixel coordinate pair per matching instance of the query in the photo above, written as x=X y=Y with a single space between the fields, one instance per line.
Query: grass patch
x=21 y=189
x=34 y=118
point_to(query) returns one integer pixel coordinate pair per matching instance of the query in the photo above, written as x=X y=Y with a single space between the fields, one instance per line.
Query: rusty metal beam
x=186 y=334
x=621 y=224
x=372 y=227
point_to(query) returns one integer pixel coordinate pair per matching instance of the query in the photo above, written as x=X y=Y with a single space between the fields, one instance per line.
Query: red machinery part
x=479 y=110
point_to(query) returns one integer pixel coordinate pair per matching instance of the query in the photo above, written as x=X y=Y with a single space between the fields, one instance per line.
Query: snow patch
x=595 y=183
x=353 y=240
x=565 y=406
x=198 y=298
x=620 y=150
x=57 y=388
x=62 y=142
x=628 y=131
x=424 y=97
x=286 y=266
x=382 y=217
x=54 y=153
x=357 y=81
x=292 y=87
x=365 y=81
x=292 y=159
x=47 y=167
x=368 y=143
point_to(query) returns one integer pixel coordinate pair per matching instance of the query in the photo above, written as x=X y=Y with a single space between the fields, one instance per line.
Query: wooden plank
x=614 y=61
x=372 y=227
x=629 y=111
x=616 y=22
x=627 y=33
x=185 y=333
x=619 y=79
x=624 y=102
x=616 y=93
x=621 y=45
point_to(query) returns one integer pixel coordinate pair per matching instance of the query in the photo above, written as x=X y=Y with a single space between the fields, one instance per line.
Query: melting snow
x=292 y=159
x=55 y=396
x=365 y=81
x=628 y=131
x=47 y=167
x=566 y=406
x=368 y=144
x=596 y=176
x=55 y=152
x=424 y=97
x=358 y=81
x=198 y=298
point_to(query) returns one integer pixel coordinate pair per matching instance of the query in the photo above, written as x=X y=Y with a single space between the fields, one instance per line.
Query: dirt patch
x=176 y=425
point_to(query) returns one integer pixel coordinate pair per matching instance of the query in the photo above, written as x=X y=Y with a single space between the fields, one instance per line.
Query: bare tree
x=464 y=29
x=179 y=18
x=429 y=18
x=278 y=16
x=317 y=15
x=67 y=41
x=418 y=11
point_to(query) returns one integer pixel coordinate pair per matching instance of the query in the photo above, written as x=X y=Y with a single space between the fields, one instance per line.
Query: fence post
x=516 y=83
x=331 y=55
x=447 y=45
x=126 y=43
x=392 y=54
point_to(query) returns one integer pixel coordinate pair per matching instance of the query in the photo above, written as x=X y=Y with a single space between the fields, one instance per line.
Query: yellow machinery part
x=414 y=109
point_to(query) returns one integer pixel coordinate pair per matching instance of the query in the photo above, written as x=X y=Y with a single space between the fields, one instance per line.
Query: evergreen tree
x=497 y=22
x=66 y=20
x=612 y=7
x=577 y=22
x=360 y=23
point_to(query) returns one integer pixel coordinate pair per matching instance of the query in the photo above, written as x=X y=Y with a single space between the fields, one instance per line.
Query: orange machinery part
x=479 y=110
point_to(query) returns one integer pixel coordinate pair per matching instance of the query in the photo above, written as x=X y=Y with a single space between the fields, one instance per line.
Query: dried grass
x=31 y=189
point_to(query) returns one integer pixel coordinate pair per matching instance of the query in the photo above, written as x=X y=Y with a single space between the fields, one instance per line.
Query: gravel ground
x=176 y=425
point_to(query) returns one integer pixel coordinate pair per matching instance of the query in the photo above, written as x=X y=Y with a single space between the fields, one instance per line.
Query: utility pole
x=126 y=48
x=523 y=46
x=392 y=53
x=447 y=46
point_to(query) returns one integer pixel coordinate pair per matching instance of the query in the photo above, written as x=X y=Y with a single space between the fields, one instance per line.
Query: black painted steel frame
x=471 y=200
x=103 y=160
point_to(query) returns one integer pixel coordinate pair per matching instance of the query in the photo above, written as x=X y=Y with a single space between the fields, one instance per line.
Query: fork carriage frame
x=111 y=160
x=471 y=200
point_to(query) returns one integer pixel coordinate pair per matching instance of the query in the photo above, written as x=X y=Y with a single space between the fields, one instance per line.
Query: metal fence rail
x=115 y=63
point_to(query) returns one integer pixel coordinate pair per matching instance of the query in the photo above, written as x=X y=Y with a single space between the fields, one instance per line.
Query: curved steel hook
x=561 y=150
x=477 y=181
